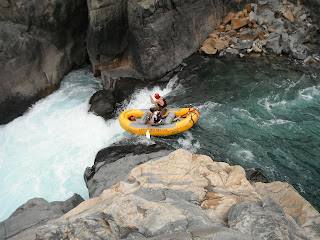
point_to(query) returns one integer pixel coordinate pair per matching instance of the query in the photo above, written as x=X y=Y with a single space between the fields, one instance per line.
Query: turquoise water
x=257 y=113
x=254 y=113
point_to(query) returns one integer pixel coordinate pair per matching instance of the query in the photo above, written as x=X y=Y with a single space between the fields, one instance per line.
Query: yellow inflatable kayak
x=177 y=121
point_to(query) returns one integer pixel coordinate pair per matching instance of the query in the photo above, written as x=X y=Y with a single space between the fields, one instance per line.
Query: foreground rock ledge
x=185 y=196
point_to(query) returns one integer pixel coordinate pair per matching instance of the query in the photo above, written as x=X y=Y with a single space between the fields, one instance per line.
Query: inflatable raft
x=177 y=121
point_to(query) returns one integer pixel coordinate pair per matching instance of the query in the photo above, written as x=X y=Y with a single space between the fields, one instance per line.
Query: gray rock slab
x=114 y=163
x=265 y=220
x=34 y=213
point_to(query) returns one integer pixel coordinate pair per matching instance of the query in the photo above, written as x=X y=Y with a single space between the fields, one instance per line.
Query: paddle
x=148 y=133
x=183 y=115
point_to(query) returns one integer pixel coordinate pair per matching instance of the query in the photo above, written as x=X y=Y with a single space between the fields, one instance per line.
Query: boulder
x=300 y=52
x=23 y=222
x=243 y=44
x=102 y=103
x=208 y=46
x=228 y=18
x=237 y=23
x=273 y=43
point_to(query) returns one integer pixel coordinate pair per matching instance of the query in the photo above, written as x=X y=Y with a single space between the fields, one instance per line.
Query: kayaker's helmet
x=157 y=96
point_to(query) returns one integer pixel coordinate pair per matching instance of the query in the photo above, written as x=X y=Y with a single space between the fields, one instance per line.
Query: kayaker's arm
x=152 y=101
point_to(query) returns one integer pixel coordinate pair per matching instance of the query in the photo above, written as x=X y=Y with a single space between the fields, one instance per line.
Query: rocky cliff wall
x=163 y=33
x=40 y=42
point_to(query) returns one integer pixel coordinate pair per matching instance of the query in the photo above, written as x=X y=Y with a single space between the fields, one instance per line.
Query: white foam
x=187 y=142
x=310 y=93
x=44 y=153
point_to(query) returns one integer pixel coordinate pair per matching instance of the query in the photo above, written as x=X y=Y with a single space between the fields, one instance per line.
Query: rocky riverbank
x=185 y=196
x=268 y=27
x=163 y=194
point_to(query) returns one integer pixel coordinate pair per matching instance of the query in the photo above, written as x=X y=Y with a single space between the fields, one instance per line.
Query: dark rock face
x=34 y=213
x=151 y=37
x=112 y=164
x=102 y=103
x=40 y=42
x=163 y=33
x=108 y=30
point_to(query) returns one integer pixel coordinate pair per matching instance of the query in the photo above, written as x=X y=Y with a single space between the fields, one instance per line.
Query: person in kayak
x=132 y=118
x=161 y=104
x=156 y=118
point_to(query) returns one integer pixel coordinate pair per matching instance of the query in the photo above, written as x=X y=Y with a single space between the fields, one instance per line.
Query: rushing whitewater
x=44 y=153
x=253 y=112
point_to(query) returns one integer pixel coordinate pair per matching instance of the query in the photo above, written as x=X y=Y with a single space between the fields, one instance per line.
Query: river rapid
x=253 y=112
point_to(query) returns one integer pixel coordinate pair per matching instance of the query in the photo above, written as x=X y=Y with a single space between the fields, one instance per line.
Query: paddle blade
x=148 y=134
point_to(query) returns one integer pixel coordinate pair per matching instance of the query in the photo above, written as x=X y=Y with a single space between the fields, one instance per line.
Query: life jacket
x=164 y=103
x=156 y=117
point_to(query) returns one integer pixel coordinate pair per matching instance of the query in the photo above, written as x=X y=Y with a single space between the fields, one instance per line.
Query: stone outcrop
x=266 y=27
x=23 y=223
x=185 y=196
x=114 y=163
x=40 y=42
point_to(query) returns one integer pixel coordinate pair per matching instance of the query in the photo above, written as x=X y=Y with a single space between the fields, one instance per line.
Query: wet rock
x=232 y=51
x=243 y=44
x=102 y=103
x=34 y=213
x=300 y=52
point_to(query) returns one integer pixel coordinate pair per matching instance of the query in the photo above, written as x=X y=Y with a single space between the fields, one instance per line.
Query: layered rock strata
x=40 y=42
x=185 y=196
